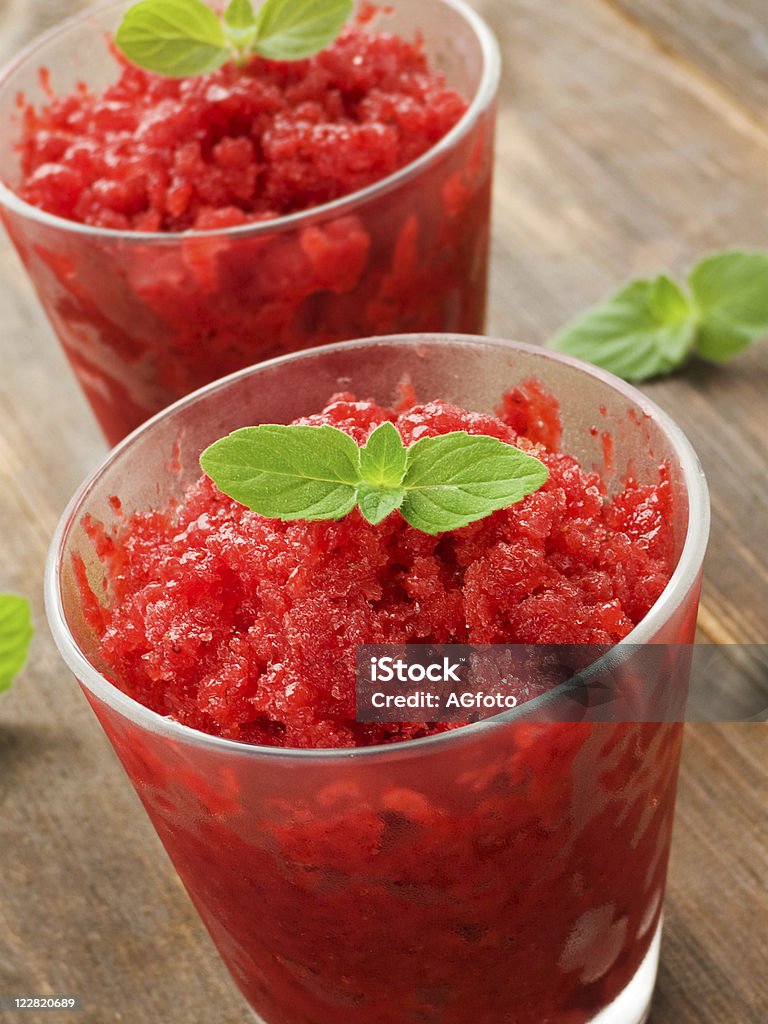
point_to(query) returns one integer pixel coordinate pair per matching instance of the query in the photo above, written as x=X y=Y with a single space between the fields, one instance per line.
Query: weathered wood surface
x=632 y=135
x=722 y=42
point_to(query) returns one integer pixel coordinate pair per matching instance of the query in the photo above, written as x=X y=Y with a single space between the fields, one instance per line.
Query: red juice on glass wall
x=518 y=877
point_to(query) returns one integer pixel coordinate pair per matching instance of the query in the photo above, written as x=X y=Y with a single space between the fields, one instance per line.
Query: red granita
x=187 y=270
x=246 y=627
x=240 y=144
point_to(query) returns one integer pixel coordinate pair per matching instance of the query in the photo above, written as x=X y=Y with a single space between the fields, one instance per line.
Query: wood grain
x=630 y=138
x=719 y=41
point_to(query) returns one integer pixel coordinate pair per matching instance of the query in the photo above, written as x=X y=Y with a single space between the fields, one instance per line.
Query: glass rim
x=483 y=96
x=683 y=577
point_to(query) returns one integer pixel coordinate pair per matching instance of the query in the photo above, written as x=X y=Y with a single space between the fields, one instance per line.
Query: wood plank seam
x=695 y=78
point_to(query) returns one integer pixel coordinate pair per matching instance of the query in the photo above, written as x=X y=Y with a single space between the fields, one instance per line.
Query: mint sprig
x=179 y=38
x=730 y=292
x=652 y=327
x=438 y=483
x=15 y=635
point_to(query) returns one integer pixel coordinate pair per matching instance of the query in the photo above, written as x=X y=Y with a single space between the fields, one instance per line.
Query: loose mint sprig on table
x=303 y=472
x=179 y=38
x=651 y=327
x=15 y=635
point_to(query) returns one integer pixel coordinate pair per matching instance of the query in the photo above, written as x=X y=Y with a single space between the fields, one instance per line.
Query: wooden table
x=633 y=135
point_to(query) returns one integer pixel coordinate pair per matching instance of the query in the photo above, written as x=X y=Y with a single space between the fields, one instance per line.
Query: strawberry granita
x=190 y=270
x=239 y=144
x=353 y=873
x=246 y=627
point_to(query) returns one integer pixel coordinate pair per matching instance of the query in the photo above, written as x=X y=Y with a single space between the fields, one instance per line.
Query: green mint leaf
x=730 y=291
x=668 y=302
x=383 y=459
x=439 y=483
x=240 y=24
x=646 y=329
x=293 y=29
x=239 y=14
x=173 y=37
x=15 y=634
x=457 y=478
x=178 y=38
x=377 y=503
x=294 y=472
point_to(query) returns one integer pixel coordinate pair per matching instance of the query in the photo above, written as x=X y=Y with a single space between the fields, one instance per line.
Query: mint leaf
x=186 y=37
x=15 y=634
x=439 y=483
x=239 y=14
x=377 y=503
x=383 y=459
x=668 y=302
x=295 y=472
x=730 y=291
x=652 y=327
x=240 y=23
x=173 y=37
x=457 y=478
x=293 y=29
x=646 y=329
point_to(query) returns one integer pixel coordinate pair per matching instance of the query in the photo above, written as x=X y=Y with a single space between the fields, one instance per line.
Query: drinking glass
x=504 y=871
x=145 y=318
